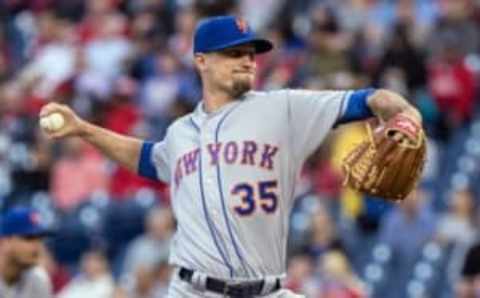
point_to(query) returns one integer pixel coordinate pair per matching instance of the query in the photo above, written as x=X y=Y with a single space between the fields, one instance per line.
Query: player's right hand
x=72 y=123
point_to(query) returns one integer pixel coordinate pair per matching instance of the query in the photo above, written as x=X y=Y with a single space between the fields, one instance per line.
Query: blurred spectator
x=27 y=158
x=180 y=43
x=456 y=228
x=79 y=172
x=5 y=71
x=419 y=15
x=5 y=170
x=323 y=235
x=469 y=284
x=260 y=13
x=147 y=283
x=363 y=57
x=169 y=83
x=452 y=85
x=54 y=58
x=165 y=13
x=153 y=246
x=338 y=279
x=212 y=8
x=142 y=285
x=402 y=54
x=328 y=47
x=457 y=224
x=326 y=180
x=105 y=53
x=432 y=164
x=94 y=14
x=453 y=28
x=122 y=115
x=354 y=14
x=34 y=171
x=406 y=230
x=105 y=56
x=280 y=68
x=300 y=278
x=10 y=102
x=94 y=280
x=22 y=231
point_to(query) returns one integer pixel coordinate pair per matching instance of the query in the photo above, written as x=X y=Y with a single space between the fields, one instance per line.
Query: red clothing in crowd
x=123 y=118
x=75 y=178
x=453 y=87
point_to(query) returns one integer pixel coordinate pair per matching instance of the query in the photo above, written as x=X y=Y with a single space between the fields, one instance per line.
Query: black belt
x=241 y=290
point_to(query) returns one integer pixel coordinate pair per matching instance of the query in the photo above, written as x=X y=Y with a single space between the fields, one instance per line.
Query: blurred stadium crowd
x=126 y=65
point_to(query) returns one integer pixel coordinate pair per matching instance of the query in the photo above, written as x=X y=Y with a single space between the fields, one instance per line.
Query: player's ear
x=199 y=62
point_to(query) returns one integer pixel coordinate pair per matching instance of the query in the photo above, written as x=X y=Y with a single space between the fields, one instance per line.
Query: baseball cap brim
x=261 y=45
x=38 y=233
x=28 y=232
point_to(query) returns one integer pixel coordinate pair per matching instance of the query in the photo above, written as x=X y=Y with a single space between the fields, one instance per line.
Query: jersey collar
x=200 y=115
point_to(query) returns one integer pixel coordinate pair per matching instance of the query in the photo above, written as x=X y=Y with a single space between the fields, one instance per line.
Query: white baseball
x=52 y=122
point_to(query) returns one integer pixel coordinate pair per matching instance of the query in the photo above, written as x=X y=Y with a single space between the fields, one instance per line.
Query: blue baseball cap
x=221 y=32
x=23 y=221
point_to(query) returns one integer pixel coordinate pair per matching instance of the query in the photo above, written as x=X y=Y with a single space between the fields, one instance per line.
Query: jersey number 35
x=262 y=194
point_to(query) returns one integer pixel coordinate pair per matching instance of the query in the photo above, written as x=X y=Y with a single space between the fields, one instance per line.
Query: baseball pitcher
x=233 y=162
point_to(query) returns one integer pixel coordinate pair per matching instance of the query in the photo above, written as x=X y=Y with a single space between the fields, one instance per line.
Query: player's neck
x=215 y=100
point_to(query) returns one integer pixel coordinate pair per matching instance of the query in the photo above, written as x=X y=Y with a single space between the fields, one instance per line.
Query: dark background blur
x=127 y=66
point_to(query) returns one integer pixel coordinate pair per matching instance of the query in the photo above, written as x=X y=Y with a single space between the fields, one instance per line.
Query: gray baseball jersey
x=34 y=283
x=232 y=175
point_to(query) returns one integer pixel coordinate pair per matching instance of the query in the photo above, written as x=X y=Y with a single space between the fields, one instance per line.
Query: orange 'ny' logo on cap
x=242 y=25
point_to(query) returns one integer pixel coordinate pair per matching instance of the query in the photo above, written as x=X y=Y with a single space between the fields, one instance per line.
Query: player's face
x=24 y=251
x=231 y=70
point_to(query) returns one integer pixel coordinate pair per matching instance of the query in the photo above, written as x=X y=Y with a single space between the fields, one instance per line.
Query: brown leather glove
x=390 y=162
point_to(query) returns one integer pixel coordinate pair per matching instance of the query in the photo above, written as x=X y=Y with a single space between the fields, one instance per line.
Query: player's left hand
x=390 y=162
x=400 y=135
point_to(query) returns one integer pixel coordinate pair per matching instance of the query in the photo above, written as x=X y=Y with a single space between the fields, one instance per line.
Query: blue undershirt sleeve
x=146 y=167
x=356 y=108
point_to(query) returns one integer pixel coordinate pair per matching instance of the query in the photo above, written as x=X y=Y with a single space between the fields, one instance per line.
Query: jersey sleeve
x=153 y=162
x=312 y=114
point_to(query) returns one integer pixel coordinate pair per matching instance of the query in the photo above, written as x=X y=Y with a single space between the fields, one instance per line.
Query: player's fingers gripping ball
x=390 y=162
x=53 y=122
